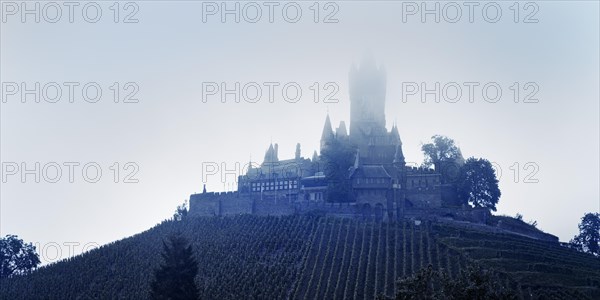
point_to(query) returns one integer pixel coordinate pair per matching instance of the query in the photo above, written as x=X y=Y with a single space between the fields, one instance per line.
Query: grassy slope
x=305 y=257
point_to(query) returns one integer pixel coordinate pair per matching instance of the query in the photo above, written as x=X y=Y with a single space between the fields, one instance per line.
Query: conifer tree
x=175 y=277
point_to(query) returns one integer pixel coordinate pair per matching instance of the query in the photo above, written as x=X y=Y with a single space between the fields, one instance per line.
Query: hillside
x=308 y=257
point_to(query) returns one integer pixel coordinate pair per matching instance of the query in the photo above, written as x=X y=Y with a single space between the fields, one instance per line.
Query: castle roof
x=399 y=156
x=370 y=171
x=395 y=135
x=271 y=154
x=341 y=130
x=327 y=131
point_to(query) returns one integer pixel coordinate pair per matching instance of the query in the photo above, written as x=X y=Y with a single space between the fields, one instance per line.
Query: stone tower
x=367 y=114
x=367 y=100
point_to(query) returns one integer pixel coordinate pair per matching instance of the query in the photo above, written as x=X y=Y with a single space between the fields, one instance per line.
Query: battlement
x=420 y=170
x=209 y=195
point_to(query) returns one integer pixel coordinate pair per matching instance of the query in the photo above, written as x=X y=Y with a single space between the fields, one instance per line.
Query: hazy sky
x=547 y=150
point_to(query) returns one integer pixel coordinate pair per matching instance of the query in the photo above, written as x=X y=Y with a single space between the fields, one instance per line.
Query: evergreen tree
x=175 y=278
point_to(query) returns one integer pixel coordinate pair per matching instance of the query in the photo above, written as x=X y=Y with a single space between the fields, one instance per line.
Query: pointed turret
x=399 y=157
x=315 y=157
x=271 y=154
x=395 y=136
x=327 y=134
x=341 y=132
x=357 y=160
x=327 y=131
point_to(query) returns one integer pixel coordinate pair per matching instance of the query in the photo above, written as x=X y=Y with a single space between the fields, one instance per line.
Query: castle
x=380 y=184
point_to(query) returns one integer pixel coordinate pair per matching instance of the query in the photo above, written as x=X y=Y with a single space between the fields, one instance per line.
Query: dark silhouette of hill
x=309 y=257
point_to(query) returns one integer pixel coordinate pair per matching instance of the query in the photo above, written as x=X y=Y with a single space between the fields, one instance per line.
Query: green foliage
x=181 y=212
x=445 y=156
x=477 y=184
x=472 y=283
x=421 y=285
x=588 y=239
x=16 y=257
x=476 y=283
x=337 y=159
x=175 y=277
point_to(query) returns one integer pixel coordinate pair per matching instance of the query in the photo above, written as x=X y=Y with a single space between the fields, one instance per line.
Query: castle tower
x=297 y=155
x=367 y=99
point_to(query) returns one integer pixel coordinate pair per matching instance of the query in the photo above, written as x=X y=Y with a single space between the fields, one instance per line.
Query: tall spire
x=399 y=156
x=357 y=160
x=271 y=154
x=395 y=135
x=327 y=131
x=327 y=134
x=341 y=130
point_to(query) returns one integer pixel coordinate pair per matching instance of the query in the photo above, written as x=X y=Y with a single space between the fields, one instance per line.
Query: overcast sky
x=545 y=141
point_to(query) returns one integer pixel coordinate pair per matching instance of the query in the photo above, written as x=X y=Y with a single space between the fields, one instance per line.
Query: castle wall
x=425 y=198
x=218 y=204
x=201 y=206
x=236 y=205
x=338 y=209
x=450 y=196
x=271 y=206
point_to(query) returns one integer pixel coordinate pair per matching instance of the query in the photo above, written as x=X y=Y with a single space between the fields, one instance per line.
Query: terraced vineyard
x=303 y=257
x=351 y=259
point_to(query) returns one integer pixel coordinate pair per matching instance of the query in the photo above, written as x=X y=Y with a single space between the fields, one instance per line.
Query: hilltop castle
x=380 y=184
